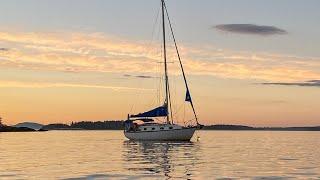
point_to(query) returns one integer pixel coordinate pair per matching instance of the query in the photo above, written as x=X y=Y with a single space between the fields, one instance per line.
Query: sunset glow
x=59 y=73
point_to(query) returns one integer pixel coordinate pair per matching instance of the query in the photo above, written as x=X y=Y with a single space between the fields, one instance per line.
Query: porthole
x=145 y=129
x=153 y=129
x=170 y=127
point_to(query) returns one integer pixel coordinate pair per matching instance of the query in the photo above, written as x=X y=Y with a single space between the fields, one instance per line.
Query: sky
x=247 y=62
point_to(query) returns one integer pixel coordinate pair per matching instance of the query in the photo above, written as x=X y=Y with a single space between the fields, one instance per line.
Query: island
x=17 y=128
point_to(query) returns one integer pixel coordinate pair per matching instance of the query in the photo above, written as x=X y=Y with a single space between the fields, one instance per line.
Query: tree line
x=88 y=125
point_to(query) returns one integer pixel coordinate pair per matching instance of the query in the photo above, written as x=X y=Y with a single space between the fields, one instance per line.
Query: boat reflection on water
x=166 y=159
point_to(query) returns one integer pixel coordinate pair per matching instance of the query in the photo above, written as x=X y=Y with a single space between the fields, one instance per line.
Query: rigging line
x=172 y=90
x=184 y=114
x=149 y=44
x=179 y=109
x=160 y=71
x=155 y=23
x=160 y=85
x=148 y=51
x=159 y=53
x=170 y=103
x=153 y=32
x=165 y=59
x=178 y=54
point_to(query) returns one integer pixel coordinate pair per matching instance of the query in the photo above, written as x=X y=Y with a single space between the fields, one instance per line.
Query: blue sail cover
x=188 y=97
x=157 y=112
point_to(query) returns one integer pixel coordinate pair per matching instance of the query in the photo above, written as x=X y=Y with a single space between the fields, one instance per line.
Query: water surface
x=108 y=155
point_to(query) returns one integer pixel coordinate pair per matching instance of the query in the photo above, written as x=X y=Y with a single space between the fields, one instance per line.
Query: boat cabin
x=148 y=126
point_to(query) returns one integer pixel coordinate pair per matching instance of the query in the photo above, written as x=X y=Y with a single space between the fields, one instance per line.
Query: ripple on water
x=272 y=177
x=7 y=175
x=110 y=176
x=288 y=159
x=305 y=168
x=107 y=155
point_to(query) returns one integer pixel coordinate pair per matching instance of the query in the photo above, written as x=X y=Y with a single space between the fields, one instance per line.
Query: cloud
x=99 y=53
x=250 y=29
x=19 y=84
x=4 y=49
x=312 y=83
x=144 y=77
x=139 y=76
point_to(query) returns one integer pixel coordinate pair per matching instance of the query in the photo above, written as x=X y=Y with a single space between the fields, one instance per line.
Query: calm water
x=107 y=155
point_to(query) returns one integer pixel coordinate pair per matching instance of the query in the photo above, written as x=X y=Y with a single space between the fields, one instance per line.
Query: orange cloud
x=19 y=84
x=95 y=52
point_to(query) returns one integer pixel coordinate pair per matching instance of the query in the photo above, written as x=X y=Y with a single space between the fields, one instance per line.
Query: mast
x=165 y=61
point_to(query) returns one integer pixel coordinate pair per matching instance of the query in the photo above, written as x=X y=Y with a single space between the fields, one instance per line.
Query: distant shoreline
x=118 y=125
x=283 y=130
x=249 y=128
x=16 y=129
x=266 y=129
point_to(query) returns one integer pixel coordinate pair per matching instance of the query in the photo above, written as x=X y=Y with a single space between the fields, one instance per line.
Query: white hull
x=184 y=134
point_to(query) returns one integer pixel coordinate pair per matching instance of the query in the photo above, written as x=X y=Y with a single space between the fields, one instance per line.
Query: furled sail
x=157 y=112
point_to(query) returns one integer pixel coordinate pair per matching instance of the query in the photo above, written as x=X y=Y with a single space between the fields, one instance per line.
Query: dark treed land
x=87 y=125
x=5 y=128
x=248 y=128
x=15 y=129
x=118 y=125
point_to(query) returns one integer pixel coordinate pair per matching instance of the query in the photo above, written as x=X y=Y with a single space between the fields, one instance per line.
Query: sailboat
x=149 y=130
